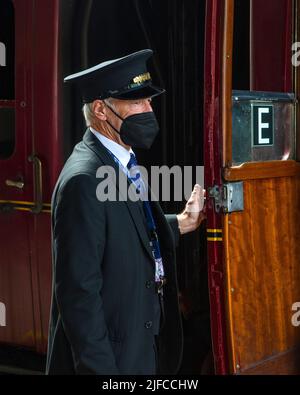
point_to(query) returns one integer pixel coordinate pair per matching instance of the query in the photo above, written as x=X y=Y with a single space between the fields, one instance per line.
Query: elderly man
x=114 y=302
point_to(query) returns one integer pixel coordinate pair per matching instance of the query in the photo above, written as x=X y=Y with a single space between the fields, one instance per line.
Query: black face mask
x=138 y=130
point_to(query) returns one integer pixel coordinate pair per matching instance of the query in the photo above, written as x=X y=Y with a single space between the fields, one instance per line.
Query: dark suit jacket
x=103 y=297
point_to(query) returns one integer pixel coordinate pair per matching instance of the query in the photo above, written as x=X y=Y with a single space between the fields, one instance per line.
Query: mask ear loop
x=113 y=111
x=116 y=114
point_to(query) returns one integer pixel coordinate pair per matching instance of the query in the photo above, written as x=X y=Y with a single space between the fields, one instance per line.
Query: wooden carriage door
x=261 y=188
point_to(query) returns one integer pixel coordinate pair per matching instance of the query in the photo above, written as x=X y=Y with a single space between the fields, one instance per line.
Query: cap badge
x=142 y=78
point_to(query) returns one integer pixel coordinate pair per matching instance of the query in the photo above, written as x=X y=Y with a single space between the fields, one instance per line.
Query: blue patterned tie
x=136 y=178
x=135 y=175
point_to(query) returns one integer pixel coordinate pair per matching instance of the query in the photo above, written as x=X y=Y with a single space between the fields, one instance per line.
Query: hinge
x=229 y=197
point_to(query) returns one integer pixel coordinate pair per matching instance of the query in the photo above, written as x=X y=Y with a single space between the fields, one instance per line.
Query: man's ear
x=99 y=109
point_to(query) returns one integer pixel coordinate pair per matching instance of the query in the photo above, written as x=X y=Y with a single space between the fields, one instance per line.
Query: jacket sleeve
x=173 y=222
x=79 y=241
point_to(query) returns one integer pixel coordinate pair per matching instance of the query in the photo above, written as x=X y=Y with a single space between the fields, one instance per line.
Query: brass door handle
x=15 y=184
x=38 y=184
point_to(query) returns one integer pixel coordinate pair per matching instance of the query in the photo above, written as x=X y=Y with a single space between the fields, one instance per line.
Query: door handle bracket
x=229 y=197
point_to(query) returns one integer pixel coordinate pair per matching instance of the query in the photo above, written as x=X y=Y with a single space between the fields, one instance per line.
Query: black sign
x=262 y=124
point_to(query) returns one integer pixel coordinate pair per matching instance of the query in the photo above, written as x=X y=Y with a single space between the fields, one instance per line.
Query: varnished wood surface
x=262 y=247
x=261 y=170
x=287 y=363
x=227 y=82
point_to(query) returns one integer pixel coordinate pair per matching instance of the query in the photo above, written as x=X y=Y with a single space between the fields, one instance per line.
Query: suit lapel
x=135 y=208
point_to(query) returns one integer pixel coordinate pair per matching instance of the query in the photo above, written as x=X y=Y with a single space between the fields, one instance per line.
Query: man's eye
x=140 y=102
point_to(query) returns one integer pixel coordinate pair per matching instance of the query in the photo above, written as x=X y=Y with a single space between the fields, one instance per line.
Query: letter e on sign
x=262 y=125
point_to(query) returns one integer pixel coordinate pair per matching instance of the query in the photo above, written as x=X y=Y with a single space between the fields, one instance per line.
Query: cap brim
x=145 y=92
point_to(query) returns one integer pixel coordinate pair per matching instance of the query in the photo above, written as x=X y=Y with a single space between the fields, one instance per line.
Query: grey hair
x=88 y=112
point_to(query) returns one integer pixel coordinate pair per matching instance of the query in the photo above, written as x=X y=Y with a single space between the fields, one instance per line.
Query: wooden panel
x=227 y=82
x=262 y=246
x=255 y=170
x=282 y=364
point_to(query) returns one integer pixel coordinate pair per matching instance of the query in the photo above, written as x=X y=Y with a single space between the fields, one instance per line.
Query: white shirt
x=121 y=153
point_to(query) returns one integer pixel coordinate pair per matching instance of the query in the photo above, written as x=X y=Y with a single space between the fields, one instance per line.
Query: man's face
x=125 y=108
x=104 y=117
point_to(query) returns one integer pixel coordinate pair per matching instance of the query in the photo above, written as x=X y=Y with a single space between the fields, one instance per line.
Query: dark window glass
x=7 y=127
x=263 y=40
x=7 y=50
x=241 y=46
x=7 y=79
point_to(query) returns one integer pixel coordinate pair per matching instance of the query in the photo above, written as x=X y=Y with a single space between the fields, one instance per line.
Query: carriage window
x=7 y=78
x=263 y=125
x=263 y=39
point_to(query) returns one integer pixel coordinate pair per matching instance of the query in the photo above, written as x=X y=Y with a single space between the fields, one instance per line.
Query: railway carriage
x=230 y=69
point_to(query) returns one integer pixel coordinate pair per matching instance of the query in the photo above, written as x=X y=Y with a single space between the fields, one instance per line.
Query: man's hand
x=193 y=214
